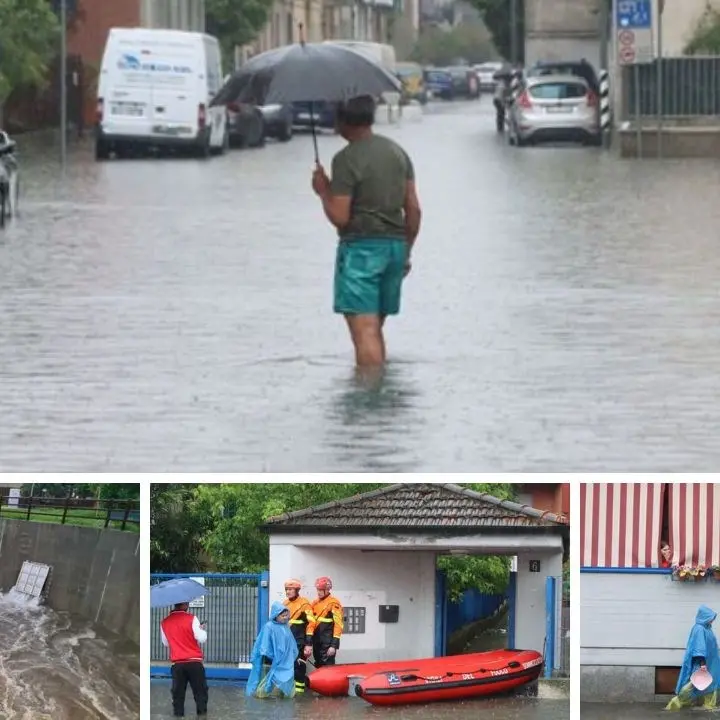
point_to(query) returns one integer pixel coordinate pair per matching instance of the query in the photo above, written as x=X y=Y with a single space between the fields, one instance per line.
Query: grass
x=84 y=517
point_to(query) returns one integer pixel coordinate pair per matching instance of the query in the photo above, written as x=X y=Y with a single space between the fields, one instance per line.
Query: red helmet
x=292 y=583
x=324 y=583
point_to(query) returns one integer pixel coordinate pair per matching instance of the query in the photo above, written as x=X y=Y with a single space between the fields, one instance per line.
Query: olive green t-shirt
x=374 y=172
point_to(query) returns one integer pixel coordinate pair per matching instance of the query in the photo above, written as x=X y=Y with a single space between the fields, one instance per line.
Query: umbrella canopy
x=307 y=72
x=177 y=590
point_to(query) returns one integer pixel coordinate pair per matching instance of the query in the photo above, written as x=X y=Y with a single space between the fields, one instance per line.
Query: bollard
x=605 y=115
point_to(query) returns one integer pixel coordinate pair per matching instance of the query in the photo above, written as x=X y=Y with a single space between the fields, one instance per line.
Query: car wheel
x=254 y=131
x=203 y=151
x=286 y=132
x=102 y=151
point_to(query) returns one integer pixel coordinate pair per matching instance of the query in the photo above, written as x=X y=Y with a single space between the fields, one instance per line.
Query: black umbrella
x=307 y=72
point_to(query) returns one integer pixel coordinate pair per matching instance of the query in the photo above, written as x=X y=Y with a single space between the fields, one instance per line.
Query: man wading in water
x=372 y=201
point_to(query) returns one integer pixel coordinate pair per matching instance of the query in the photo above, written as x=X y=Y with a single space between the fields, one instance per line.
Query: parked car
x=554 y=108
x=155 y=90
x=486 y=75
x=465 y=82
x=278 y=121
x=439 y=83
x=323 y=114
x=246 y=125
x=411 y=76
x=580 y=68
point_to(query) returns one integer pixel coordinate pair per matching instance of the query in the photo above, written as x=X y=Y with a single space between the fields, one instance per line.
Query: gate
x=557 y=629
x=235 y=609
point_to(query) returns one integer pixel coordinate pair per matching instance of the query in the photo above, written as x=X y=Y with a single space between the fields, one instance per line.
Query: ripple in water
x=54 y=666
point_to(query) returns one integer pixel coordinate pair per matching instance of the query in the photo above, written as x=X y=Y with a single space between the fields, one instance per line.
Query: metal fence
x=234 y=609
x=674 y=87
x=472 y=606
x=116 y=514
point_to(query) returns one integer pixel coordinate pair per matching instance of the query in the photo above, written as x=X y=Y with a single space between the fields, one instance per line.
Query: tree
x=28 y=34
x=706 y=38
x=470 y=42
x=101 y=491
x=235 y=22
x=497 y=17
x=217 y=526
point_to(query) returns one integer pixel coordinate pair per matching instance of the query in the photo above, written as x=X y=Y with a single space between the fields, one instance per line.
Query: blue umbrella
x=177 y=590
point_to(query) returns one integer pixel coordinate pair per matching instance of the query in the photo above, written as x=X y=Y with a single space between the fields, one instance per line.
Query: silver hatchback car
x=554 y=108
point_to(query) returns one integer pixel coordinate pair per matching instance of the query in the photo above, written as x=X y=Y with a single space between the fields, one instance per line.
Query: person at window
x=327 y=628
x=701 y=657
x=665 y=554
x=301 y=616
x=273 y=657
x=183 y=634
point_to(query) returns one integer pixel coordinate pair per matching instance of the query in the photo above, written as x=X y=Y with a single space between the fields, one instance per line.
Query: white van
x=155 y=89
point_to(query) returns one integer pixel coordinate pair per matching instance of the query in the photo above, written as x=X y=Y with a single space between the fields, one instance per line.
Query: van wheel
x=286 y=133
x=204 y=150
x=102 y=151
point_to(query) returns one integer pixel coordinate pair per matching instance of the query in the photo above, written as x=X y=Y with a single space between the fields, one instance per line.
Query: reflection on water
x=56 y=667
x=633 y=711
x=230 y=703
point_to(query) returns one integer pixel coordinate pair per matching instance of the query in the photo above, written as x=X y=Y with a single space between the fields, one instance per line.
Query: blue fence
x=472 y=606
x=234 y=610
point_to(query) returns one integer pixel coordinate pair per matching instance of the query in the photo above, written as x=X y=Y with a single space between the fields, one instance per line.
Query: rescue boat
x=457 y=680
x=333 y=680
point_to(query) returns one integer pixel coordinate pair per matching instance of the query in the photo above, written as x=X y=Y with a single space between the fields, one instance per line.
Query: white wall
x=639 y=619
x=530 y=603
x=368 y=579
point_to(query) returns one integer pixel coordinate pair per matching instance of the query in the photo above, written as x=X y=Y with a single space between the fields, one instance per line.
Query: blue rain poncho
x=702 y=647
x=277 y=644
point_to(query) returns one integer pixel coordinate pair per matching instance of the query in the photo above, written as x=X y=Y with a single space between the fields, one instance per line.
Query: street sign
x=634 y=14
x=634 y=32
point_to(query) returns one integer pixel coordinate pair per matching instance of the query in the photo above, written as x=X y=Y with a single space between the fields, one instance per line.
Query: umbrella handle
x=314 y=135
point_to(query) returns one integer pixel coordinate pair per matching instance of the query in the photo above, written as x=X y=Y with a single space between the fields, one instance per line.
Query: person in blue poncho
x=273 y=657
x=701 y=652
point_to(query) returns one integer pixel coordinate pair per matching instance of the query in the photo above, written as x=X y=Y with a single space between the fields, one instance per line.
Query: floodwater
x=54 y=667
x=230 y=703
x=633 y=711
x=175 y=315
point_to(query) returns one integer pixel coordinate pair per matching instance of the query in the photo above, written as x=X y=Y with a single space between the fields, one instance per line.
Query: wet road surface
x=231 y=703
x=562 y=314
x=54 y=667
x=639 y=711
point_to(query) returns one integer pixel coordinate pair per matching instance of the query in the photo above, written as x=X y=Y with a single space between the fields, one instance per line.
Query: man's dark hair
x=357 y=112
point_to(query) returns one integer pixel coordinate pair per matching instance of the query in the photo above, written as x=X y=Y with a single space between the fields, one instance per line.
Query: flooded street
x=630 y=711
x=230 y=703
x=175 y=315
x=53 y=667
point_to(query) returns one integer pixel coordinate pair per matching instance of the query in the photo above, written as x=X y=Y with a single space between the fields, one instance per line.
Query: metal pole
x=659 y=80
x=604 y=34
x=513 y=32
x=638 y=128
x=63 y=83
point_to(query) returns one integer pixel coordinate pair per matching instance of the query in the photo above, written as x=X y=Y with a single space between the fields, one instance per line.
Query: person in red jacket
x=182 y=632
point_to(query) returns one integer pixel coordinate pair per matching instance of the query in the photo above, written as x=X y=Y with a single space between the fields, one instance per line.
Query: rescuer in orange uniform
x=301 y=623
x=328 y=627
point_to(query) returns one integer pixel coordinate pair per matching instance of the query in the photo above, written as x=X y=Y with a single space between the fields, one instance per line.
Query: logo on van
x=129 y=62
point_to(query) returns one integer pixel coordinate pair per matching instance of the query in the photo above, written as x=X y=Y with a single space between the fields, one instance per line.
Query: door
x=175 y=72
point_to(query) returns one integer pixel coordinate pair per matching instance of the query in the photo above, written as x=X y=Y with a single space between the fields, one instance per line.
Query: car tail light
x=202 y=116
x=99 y=110
x=591 y=99
x=233 y=107
x=524 y=101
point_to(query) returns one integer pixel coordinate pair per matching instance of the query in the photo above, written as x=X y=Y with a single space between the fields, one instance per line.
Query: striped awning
x=620 y=524
x=695 y=524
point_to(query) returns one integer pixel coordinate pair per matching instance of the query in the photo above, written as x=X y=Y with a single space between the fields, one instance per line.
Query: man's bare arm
x=413 y=213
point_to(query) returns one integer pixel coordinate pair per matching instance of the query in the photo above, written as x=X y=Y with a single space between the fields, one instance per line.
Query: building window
x=354 y=621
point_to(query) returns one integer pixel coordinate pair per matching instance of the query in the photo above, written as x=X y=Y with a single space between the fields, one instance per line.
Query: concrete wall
x=368 y=579
x=95 y=573
x=631 y=624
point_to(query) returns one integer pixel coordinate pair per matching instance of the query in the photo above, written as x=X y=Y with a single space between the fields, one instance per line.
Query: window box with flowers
x=691 y=573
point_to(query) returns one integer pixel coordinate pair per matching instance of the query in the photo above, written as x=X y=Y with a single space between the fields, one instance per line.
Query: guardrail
x=114 y=514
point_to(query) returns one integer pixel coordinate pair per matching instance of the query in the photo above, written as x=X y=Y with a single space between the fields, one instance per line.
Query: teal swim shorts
x=368 y=276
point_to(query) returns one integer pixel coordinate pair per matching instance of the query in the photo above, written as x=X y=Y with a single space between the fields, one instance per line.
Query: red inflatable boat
x=456 y=680
x=333 y=681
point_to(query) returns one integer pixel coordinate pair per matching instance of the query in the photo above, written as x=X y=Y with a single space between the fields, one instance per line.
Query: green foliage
x=706 y=38
x=101 y=491
x=235 y=22
x=470 y=42
x=28 y=40
x=216 y=526
x=497 y=17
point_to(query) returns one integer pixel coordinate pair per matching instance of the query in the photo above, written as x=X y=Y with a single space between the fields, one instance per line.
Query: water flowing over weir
x=55 y=666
